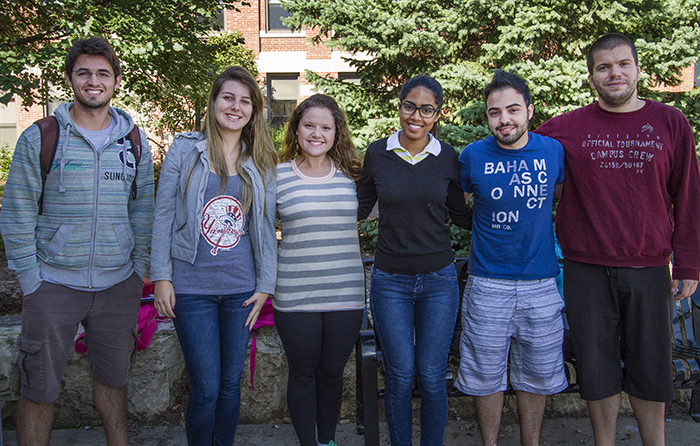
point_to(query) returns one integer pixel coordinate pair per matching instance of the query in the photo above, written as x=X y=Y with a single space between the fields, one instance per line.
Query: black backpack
x=49 y=142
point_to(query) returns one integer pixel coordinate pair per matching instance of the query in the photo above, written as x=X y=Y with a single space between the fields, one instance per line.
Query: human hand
x=164 y=298
x=687 y=288
x=257 y=300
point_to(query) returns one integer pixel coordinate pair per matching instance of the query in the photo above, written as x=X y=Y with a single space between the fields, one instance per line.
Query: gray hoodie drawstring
x=125 y=157
x=61 y=187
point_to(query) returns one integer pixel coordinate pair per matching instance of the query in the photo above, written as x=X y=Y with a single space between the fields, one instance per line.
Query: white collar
x=433 y=147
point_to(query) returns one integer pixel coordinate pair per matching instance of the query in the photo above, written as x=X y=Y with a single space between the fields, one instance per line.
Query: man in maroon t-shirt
x=630 y=199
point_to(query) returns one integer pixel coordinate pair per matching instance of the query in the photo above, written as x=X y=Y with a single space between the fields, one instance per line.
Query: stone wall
x=155 y=370
x=152 y=381
x=150 y=388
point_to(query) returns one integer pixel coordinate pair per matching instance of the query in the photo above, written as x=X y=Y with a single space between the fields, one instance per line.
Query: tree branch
x=46 y=35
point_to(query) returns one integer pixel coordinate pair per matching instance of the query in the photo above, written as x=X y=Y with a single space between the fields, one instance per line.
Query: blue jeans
x=414 y=317
x=214 y=342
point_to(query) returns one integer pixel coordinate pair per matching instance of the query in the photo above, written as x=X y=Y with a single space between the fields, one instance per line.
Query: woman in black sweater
x=414 y=297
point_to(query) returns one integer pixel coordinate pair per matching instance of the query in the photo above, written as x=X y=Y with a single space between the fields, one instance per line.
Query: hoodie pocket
x=123 y=239
x=58 y=240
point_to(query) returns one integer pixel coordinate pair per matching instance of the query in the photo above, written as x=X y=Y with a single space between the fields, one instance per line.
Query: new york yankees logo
x=222 y=223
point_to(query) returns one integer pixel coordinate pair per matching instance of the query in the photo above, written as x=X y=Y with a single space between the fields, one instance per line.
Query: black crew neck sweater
x=414 y=203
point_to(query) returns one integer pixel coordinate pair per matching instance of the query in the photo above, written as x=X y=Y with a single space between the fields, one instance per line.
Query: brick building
x=282 y=57
x=690 y=78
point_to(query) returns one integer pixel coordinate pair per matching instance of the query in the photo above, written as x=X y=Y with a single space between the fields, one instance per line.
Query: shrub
x=5 y=160
x=368 y=235
x=277 y=135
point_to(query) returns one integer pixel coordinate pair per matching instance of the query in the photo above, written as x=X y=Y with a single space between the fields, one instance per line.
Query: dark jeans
x=414 y=317
x=214 y=341
x=317 y=346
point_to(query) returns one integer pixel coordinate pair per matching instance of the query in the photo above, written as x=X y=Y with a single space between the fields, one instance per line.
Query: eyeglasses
x=409 y=108
x=87 y=74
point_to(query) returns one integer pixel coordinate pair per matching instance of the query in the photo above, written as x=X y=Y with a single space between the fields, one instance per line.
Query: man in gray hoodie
x=78 y=243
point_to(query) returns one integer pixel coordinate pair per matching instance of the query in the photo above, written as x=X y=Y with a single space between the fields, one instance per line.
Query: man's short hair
x=609 y=42
x=94 y=46
x=502 y=80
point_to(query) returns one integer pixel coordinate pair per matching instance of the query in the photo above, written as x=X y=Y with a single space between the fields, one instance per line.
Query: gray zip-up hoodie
x=177 y=218
x=91 y=234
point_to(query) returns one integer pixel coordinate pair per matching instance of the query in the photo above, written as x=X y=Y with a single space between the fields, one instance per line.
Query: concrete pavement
x=560 y=431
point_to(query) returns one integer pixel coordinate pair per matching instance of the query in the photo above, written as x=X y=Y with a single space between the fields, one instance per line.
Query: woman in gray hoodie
x=213 y=255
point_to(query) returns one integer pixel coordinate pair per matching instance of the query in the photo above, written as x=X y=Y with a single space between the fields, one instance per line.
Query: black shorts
x=620 y=314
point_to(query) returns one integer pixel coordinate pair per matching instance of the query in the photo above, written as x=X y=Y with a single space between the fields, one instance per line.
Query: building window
x=275 y=14
x=349 y=77
x=216 y=22
x=282 y=93
x=697 y=74
x=8 y=124
x=53 y=105
x=219 y=18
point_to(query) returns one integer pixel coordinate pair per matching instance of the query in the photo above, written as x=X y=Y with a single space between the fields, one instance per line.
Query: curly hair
x=343 y=153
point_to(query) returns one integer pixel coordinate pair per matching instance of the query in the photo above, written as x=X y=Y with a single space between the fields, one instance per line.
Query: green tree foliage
x=461 y=42
x=689 y=103
x=277 y=135
x=167 y=55
x=182 y=102
x=5 y=160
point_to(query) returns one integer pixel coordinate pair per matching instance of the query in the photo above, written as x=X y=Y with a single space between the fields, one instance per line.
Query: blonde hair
x=255 y=136
x=343 y=153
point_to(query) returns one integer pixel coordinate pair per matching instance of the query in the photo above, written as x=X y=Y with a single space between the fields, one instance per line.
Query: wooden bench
x=368 y=359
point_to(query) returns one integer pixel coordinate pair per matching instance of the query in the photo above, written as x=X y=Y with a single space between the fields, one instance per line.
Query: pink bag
x=147 y=324
x=265 y=319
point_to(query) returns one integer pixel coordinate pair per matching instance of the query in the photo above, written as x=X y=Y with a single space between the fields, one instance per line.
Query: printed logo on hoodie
x=130 y=158
x=130 y=163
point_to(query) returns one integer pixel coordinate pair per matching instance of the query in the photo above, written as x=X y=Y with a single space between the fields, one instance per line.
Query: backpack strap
x=134 y=138
x=48 y=127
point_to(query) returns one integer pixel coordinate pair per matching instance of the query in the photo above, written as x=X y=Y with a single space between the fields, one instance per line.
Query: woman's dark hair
x=343 y=153
x=431 y=84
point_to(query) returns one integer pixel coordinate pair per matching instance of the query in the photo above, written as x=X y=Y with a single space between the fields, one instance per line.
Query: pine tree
x=460 y=42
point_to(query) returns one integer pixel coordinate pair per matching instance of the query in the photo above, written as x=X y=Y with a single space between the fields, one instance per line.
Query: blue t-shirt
x=513 y=233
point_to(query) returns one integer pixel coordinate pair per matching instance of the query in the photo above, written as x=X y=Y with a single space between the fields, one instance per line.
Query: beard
x=615 y=99
x=94 y=105
x=512 y=137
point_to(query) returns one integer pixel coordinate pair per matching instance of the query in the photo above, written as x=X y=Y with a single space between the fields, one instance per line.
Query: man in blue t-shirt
x=511 y=302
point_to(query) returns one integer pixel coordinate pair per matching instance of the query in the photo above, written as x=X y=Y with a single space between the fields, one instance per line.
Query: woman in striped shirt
x=319 y=298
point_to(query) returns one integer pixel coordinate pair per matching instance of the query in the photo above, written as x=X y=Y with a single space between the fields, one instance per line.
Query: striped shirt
x=319 y=266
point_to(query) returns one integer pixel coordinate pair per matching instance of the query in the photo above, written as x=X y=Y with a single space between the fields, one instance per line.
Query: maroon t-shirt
x=632 y=189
